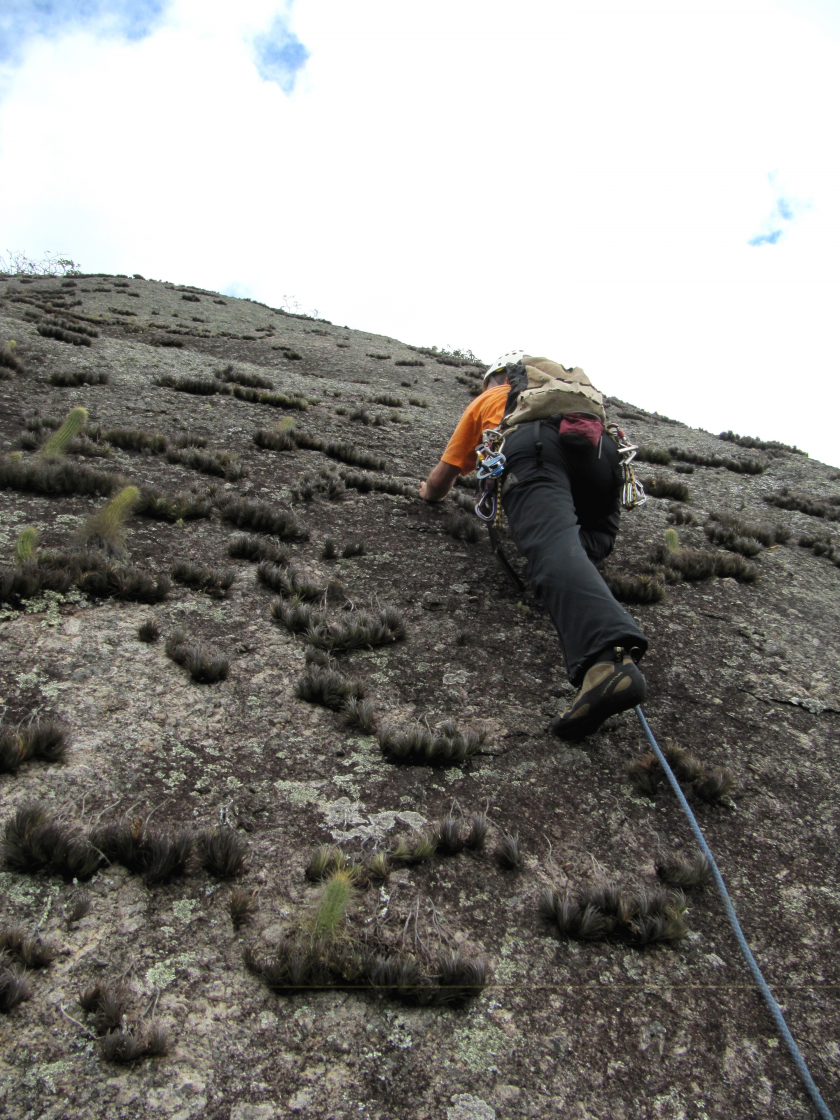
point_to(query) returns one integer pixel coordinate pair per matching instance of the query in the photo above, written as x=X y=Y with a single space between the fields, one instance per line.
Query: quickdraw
x=489 y=469
x=632 y=492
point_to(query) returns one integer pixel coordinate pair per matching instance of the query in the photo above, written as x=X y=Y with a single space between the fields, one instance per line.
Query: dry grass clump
x=33 y=841
x=289 y=583
x=685 y=872
x=636 y=589
x=325 y=953
x=31 y=950
x=327 y=687
x=131 y=439
x=666 y=488
x=222 y=852
x=240 y=377
x=61 y=334
x=297 y=617
x=737 y=466
x=79 y=908
x=744 y=537
x=653 y=455
x=211 y=580
x=14 y=989
x=508 y=852
x=829 y=509
x=196 y=385
x=640 y=915
x=358 y=630
x=91 y=572
x=760 y=444
x=690 y=564
x=149 y=631
x=343 y=452
x=204 y=666
x=218 y=463
x=275 y=439
x=463 y=527
x=264 y=518
x=359 y=714
x=155 y=854
x=8 y=361
x=365 y=483
x=242 y=907
x=448 y=746
x=245 y=547
x=120 y=1042
x=45 y=739
x=353 y=548
x=97 y=575
x=710 y=783
x=173 y=507
x=56 y=478
x=325 y=482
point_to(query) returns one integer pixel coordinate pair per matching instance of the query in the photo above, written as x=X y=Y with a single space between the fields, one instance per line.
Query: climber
x=561 y=493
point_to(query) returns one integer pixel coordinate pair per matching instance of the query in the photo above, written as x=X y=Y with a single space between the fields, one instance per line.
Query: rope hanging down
x=775 y=1010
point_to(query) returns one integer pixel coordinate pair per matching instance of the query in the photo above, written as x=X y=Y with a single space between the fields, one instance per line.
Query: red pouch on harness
x=575 y=423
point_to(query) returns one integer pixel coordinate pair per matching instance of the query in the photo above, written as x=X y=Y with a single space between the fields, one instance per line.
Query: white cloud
x=578 y=179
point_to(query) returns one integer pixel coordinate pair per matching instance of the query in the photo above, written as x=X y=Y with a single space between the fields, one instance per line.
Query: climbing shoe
x=608 y=687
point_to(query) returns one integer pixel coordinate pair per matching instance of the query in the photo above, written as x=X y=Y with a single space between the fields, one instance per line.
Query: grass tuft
x=14 y=989
x=215 y=583
x=359 y=714
x=263 y=517
x=222 y=852
x=204 y=666
x=449 y=746
x=242 y=907
x=325 y=686
x=149 y=631
x=685 y=872
x=660 y=487
x=636 y=589
x=245 y=547
x=477 y=835
x=33 y=841
x=508 y=852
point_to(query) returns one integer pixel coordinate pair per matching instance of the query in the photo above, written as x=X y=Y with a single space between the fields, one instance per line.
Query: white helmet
x=511 y=358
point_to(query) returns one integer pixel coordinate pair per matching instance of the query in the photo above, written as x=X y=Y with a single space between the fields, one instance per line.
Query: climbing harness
x=490 y=466
x=632 y=492
x=775 y=1010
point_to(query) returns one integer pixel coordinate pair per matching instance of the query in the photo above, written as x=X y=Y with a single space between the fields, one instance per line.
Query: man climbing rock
x=561 y=490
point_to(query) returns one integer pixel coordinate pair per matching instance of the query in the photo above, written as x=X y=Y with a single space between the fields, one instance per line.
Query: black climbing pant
x=562 y=499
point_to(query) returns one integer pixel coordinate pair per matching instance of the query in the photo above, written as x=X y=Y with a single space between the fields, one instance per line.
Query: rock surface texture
x=743 y=673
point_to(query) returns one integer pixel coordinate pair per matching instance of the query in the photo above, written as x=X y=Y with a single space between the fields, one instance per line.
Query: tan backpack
x=546 y=388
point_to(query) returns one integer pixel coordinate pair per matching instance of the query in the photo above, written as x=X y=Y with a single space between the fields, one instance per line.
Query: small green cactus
x=333 y=904
x=58 y=442
x=25 y=544
x=672 y=541
x=105 y=529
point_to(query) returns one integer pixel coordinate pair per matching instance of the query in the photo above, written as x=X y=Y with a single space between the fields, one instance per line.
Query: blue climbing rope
x=775 y=1010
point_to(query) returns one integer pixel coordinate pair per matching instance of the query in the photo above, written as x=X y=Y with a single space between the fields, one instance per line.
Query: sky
x=650 y=191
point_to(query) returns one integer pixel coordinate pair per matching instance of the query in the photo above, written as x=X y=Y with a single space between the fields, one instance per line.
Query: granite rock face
x=744 y=675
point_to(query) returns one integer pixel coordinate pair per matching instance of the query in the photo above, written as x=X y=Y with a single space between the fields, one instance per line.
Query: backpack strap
x=518 y=379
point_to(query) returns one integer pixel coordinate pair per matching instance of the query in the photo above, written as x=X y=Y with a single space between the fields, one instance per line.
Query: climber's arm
x=439 y=482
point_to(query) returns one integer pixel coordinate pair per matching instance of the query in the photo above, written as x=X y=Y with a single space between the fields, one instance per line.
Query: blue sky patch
x=280 y=55
x=22 y=20
x=785 y=209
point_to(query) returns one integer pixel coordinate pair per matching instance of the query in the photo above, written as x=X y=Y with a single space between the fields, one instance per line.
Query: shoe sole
x=608 y=700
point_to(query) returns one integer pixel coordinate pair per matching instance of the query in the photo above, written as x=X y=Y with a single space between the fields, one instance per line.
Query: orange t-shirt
x=486 y=411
